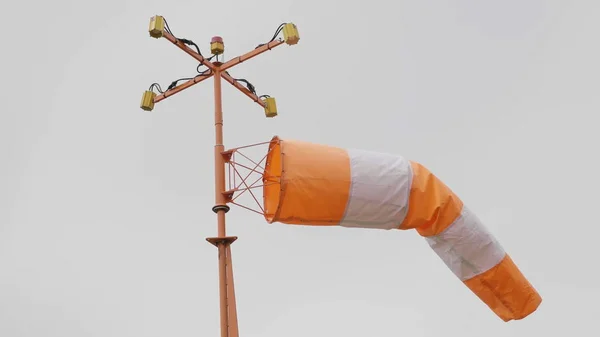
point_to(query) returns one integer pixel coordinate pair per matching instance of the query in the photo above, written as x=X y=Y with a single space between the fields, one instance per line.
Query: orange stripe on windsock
x=506 y=291
x=432 y=206
x=307 y=183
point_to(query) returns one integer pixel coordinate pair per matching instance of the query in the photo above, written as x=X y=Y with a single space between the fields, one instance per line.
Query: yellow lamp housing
x=157 y=26
x=148 y=100
x=216 y=45
x=290 y=34
x=217 y=48
x=270 y=107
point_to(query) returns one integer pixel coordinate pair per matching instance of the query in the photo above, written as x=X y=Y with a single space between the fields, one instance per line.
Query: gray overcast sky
x=104 y=207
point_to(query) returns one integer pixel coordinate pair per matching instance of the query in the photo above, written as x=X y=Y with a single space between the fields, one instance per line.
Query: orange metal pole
x=220 y=203
x=233 y=322
x=223 y=290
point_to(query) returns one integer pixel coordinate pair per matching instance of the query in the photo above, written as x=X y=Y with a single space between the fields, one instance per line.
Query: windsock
x=318 y=185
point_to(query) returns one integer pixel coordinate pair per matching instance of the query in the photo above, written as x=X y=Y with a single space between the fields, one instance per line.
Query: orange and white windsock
x=318 y=185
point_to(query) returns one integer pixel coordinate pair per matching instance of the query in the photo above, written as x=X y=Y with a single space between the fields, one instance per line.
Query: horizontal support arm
x=237 y=60
x=247 y=92
x=189 y=51
x=181 y=87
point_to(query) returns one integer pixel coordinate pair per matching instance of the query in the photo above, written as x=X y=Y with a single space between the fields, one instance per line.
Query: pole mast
x=218 y=70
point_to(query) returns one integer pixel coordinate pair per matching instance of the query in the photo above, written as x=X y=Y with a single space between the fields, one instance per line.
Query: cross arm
x=181 y=87
x=189 y=51
x=241 y=88
x=250 y=54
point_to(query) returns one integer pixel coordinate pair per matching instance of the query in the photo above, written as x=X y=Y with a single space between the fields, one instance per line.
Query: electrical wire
x=167 y=27
x=157 y=86
x=174 y=83
x=191 y=43
x=185 y=41
x=200 y=65
x=250 y=87
x=248 y=84
x=279 y=29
